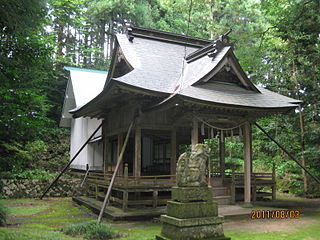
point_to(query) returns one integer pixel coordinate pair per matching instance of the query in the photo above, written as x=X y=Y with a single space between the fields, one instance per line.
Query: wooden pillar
x=173 y=161
x=106 y=148
x=247 y=137
x=107 y=156
x=194 y=133
x=222 y=154
x=120 y=144
x=137 y=153
x=155 y=199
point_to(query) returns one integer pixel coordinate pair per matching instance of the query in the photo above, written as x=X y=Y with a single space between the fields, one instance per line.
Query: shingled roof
x=175 y=66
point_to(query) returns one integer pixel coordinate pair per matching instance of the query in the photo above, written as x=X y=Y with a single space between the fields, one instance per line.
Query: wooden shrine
x=178 y=90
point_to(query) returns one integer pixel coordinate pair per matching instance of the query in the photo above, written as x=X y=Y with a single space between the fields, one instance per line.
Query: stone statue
x=191 y=168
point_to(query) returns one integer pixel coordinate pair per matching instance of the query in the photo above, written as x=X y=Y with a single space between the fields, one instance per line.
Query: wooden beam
x=137 y=152
x=194 y=132
x=289 y=154
x=173 y=161
x=69 y=163
x=247 y=161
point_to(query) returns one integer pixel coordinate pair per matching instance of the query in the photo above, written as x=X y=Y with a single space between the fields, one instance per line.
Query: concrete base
x=247 y=205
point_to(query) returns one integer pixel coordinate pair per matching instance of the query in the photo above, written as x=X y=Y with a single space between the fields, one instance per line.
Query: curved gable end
x=221 y=66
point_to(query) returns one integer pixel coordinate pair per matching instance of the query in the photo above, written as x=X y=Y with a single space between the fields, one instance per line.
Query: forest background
x=276 y=41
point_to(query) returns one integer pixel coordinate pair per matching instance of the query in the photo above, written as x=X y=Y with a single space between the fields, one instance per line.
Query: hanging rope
x=220 y=128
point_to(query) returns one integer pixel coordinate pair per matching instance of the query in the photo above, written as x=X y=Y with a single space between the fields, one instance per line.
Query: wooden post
x=125 y=192
x=137 y=153
x=247 y=161
x=120 y=143
x=274 y=182
x=173 y=161
x=107 y=155
x=194 y=133
x=254 y=188
x=233 y=188
x=155 y=199
x=222 y=155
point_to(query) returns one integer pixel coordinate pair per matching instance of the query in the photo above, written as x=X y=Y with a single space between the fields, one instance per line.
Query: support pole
x=289 y=154
x=69 y=163
x=85 y=176
x=114 y=173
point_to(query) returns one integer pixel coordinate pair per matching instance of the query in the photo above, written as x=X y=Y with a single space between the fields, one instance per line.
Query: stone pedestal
x=192 y=215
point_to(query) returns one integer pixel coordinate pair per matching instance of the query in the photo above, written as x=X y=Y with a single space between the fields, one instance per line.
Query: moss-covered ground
x=43 y=219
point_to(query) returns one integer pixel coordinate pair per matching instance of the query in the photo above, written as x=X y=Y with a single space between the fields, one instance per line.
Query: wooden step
x=223 y=200
x=220 y=191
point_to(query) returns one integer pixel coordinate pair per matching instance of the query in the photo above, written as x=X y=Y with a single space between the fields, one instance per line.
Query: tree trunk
x=302 y=141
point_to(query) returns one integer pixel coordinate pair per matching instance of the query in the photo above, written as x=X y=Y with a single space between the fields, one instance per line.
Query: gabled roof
x=179 y=66
x=83 y=85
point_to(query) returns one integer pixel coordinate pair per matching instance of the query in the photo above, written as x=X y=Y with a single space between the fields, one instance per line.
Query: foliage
x=29 y=174
x=91 y=230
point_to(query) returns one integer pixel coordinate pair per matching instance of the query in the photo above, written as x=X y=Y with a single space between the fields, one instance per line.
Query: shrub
x=28 y=174
x=100 y=232
x=3 y=215
x=91 y=230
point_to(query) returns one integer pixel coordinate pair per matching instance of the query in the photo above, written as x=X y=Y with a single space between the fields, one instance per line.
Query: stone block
x=191 y=221
x=203 y=232
x=192 y=209
x=187 y=194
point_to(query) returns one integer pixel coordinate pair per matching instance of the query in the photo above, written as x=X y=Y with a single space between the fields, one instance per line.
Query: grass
x=91 y=230
x=3 y=214
x=36 y=219
x=41 y=219
x=310 y=232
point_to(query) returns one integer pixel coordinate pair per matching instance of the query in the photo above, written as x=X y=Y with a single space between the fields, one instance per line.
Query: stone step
x=223 y=200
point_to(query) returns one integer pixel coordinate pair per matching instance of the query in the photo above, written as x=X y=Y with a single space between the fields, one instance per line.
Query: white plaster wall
x=92 y=154
x=79 y=135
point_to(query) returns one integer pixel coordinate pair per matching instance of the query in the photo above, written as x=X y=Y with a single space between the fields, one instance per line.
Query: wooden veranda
x=153 y=191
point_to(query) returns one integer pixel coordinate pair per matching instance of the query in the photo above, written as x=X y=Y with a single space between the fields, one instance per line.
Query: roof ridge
x=132 y=32
x=84 y=70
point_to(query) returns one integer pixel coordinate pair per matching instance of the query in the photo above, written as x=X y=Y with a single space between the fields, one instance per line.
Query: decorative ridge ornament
x=211 y=49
